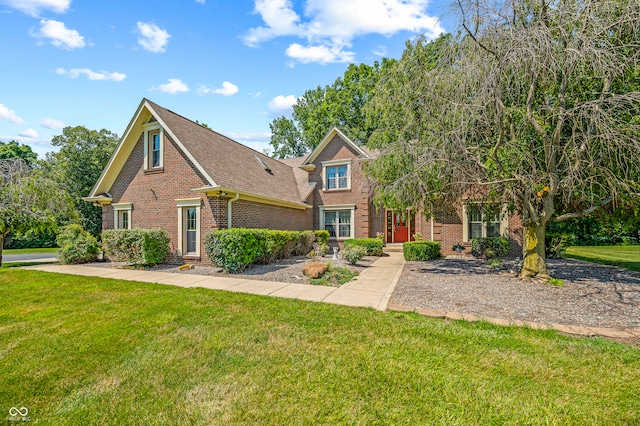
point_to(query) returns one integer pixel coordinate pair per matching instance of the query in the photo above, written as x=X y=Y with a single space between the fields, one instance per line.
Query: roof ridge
x=216 y=132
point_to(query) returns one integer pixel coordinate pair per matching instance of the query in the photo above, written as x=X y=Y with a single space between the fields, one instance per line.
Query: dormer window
x=153 y=147
x=336 y=175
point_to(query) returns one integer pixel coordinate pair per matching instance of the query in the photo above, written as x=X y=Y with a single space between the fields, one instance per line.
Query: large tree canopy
x=319 y=109
x=534 y=104
x=78 y=164
x=29 y=200
x=14 y=149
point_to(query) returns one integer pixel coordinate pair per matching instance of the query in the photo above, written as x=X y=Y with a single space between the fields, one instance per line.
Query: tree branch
x=583 y=212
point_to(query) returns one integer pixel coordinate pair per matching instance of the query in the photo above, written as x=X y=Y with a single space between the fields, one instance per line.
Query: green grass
x=31 y=250
x=627 y=257
x=79 y=350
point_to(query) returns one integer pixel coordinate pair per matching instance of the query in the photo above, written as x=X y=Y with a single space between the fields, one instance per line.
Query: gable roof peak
x=325 y=141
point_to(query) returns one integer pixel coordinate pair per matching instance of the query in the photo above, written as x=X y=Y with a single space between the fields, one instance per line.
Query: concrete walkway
x=372 y=288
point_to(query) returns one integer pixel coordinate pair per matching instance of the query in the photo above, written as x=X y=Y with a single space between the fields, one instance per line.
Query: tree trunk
x=534 y=265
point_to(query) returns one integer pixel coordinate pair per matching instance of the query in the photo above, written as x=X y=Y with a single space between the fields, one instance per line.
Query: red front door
x=401 y=228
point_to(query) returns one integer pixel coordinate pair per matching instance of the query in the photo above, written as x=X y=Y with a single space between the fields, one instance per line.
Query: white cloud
x=200 y=1
x=153 y=38
x=51 y=123
x=282 y=105
x=329 y=26
x=33 y=7
x=59 y=35
x=9 y=115
x=92 y=75
x=320 y=54
x=227 y=89
x=29 y=133
x=380 y=51
x=175 y=85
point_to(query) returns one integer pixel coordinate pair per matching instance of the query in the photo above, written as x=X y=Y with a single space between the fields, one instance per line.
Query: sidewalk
x=372 y=288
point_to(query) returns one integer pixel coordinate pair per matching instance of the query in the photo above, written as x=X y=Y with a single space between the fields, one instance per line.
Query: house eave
x=216 y=191
x=103 y=201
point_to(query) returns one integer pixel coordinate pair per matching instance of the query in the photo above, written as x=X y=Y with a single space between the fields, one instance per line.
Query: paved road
x=28 y=257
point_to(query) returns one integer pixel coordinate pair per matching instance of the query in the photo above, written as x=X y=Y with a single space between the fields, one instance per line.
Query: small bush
x=322 y=236
x=490 y=247
x=137 y=246
x=421 y=250
x=334 y=277
x=373 y=246
x=354 y=253
x=305 y=242
x=556 y=245
x=77 y=245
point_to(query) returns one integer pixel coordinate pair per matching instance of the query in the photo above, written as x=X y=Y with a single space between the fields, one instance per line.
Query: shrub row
x=322 y=236
x=137 y=246
x=490 y=247
x=373 y=246
x=234 y=249
x=421 y=250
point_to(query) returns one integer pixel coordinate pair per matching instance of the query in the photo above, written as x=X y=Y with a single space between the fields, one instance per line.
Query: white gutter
x=229 y=211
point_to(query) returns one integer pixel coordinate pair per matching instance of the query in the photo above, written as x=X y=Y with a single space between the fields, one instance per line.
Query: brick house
x=170 y=172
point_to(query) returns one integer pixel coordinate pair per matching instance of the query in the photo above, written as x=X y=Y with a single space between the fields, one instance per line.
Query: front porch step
x=392 y=248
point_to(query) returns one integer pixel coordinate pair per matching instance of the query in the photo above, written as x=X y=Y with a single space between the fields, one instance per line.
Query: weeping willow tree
x=533 y=103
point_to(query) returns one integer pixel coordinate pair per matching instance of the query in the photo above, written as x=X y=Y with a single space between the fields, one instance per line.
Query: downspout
x=229 y=212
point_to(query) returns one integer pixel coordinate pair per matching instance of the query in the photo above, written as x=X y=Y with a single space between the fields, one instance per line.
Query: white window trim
x=340 y=207
x=504 y=222
x=120 y=207
x=336 y=163
x=181 y=204
x=148 y=129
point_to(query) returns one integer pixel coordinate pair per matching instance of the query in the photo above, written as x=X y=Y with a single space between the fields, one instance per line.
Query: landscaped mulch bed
x=287 y=270
x=592 y=295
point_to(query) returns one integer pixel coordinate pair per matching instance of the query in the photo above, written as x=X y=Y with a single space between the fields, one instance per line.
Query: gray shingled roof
x=231 y=164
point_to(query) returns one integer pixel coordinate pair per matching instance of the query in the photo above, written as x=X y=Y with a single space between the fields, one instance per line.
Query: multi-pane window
x=338 y=223
x=191 y=229
x=337 y=177
x=155 y=149
x=482 y=223
x=123 y=219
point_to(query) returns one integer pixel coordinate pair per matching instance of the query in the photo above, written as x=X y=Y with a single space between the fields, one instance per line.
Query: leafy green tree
x=318 y=110
x=534 y=104
x=29 y=200
x=82 y=156
x=14 y=149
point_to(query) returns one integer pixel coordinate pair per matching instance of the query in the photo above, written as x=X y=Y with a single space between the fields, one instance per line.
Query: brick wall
x=153 y=195
x=248 y=214
x=337 y=149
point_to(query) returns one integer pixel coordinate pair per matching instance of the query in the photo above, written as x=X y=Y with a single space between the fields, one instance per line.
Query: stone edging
x=615 y=333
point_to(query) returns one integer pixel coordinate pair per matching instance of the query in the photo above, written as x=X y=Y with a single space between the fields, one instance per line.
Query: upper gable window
x=153 y=146
x=336 y=175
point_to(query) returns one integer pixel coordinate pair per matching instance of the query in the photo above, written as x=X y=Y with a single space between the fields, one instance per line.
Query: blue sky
x=233 y=64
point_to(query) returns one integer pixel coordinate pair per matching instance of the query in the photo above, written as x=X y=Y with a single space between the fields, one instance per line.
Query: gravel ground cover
x=287 y=270
x=592 y=295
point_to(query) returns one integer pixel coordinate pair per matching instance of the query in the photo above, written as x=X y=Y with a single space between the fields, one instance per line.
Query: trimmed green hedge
x=137 y=246
x=490 y=247
x=322 y=236
x=77 y=245
x=421 y=250
x=372 y=245
x=234 y=249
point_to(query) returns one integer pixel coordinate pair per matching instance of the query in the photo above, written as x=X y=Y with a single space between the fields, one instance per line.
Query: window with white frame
x=122 y=215
x=336 y=174
x=482 y=222
x=153 y=146
x=338 y=221
x=189 y=226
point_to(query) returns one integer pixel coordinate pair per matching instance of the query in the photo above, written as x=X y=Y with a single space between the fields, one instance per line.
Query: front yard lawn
x=31 y=250
x=82 y=350
x=627 y=257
